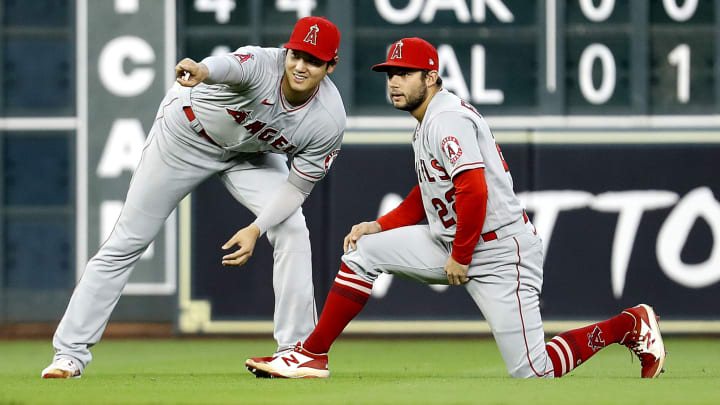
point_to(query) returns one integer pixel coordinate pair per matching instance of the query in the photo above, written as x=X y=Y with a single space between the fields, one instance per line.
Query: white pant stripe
x=353 y=276
x=569 y=352
x=559 y=353
x=353 y=286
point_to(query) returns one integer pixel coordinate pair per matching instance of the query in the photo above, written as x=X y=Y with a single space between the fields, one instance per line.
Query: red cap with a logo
x=316 y=36
x=413 y=53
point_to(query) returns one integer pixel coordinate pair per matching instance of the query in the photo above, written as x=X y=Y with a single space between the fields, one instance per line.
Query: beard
x=414 y=100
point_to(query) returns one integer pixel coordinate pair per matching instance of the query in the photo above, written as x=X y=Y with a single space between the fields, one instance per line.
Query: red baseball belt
x=487 y=237
x=191 y=117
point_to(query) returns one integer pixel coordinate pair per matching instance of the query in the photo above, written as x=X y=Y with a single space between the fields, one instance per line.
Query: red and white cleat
x=295 y=363
x=61 y=368
x=645 y=340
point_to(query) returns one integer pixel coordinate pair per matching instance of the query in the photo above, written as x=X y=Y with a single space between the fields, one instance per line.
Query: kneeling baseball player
x=477 y=235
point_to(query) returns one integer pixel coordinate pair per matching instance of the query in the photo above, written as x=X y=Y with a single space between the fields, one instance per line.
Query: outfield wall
x=626 y=216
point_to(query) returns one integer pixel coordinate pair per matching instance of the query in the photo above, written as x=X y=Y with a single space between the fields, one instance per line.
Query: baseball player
x=477 y=235
x=240 y=116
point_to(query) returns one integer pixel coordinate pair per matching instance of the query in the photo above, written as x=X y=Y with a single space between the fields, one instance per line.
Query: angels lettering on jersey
x=431 y=171
x=267 y=135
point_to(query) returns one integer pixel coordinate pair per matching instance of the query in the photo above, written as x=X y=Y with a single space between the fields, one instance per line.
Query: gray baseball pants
x=505 y=283
x=175 y=161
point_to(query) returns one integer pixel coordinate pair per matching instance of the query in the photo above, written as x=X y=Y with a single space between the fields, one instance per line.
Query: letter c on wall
x=110 y=66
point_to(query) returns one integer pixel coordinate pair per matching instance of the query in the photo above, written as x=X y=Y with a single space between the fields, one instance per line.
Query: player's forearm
x=409 y=212
x=470 y=206
x=283 y=203
x=221 y=69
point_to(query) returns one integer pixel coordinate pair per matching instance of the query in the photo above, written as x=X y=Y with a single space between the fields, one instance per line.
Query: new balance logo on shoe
x=290 y=359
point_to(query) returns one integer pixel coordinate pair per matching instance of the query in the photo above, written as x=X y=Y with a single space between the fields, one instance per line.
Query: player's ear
x=331 y=64
x=431 y=78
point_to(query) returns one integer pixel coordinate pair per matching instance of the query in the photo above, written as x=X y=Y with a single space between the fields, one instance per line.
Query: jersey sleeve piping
x=466 y=166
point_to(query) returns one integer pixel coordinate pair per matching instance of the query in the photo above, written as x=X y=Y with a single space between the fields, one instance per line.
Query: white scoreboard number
x=223 y=8
x=679 y=57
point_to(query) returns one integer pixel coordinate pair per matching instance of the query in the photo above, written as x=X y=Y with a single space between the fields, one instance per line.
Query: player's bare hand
x=190 y=73
x=357 y=231
x=456 y=272
x=245 y=239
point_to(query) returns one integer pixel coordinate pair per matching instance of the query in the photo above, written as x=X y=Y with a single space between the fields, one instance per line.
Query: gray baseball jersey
x=226 y=130
x=506 y=272
x=252 y=115
x=453 y=138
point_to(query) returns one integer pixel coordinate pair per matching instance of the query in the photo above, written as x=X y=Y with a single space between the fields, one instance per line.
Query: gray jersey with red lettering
x=453 y=137
x=506 y=269
x=241 y=131
x=254 y=116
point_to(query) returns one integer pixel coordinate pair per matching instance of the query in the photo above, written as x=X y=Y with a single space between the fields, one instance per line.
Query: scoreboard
x=508 y=57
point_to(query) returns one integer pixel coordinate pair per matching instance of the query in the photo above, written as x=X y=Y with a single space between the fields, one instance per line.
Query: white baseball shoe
x=295 y=363
x=645 y=340
x=61 y=368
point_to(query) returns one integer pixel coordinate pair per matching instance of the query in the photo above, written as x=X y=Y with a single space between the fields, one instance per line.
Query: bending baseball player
x=239 y=116
x=477 y=235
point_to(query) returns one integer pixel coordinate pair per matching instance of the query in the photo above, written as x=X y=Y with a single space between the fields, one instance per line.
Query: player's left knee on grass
x=535 y=365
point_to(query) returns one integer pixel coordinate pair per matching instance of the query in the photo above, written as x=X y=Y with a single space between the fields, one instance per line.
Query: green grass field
x=466 y=371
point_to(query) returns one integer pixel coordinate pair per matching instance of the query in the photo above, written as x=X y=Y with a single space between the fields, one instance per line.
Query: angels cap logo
x=311 y=36
x=451 y=147
x=397 y=52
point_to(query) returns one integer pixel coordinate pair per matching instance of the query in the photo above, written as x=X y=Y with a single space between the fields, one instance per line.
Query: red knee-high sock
x=572 y=348
x=346 y=299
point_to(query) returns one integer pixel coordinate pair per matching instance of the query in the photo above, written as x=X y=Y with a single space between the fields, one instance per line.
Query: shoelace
x=636 y=345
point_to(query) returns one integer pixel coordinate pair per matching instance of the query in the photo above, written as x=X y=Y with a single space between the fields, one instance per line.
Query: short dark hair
x=328 y=63
x=438 y=81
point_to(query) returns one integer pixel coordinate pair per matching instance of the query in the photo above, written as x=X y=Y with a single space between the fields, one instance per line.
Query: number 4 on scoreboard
x=303 y=8
x=221 y=8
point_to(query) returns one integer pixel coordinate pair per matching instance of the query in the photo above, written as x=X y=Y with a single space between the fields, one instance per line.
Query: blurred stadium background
x=608 y=112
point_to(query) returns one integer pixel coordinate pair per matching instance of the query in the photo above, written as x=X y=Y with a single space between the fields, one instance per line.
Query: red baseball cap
x=316 y=36
x=413 y=53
